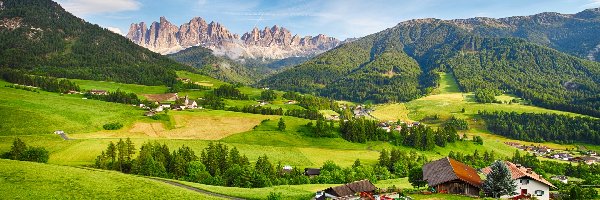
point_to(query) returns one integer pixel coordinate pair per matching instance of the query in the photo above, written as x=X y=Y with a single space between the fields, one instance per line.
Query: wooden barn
x=349 y=191
x=447 y=175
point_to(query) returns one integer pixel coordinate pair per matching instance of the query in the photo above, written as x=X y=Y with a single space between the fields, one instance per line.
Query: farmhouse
x=73 y=92
x=185 y=80
x=312 y=172
x=149 y=113
x=349 y=190
x=262 y=102
x=98 y=92
x=59 y=132
x=447 y=175
x=589 y=160
x=563 y=179
x=528 y=182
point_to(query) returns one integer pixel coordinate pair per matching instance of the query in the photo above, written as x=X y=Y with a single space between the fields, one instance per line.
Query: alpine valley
x=479 y=108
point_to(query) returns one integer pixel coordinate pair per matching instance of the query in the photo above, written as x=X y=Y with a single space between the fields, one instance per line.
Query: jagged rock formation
x=270 y=43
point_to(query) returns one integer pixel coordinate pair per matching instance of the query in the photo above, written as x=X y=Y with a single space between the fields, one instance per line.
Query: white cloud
x=115 y=30
x=90 y=7
x=593 y=3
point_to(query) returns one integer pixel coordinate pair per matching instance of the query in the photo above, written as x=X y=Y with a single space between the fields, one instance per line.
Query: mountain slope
x=219 y=67
x=383 y=67
x=575 y=34
x=40 y=37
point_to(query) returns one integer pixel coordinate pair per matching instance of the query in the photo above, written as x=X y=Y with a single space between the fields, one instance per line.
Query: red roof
x=518 y=172
x=448 y=169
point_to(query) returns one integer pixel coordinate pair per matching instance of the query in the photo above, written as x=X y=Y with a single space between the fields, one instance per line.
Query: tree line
x=221 y=165
x=20 y=151
x=421 y=137
x=543 y=127
x=228 y=91
x=300 y=113
x=312 y=102
x=181 y=86
x=45 y=83
x=117 y=97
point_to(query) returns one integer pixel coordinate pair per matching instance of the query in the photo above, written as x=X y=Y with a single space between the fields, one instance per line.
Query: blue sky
x=338 y=18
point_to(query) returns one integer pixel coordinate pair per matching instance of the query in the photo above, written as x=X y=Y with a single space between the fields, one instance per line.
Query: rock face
x=269 y=43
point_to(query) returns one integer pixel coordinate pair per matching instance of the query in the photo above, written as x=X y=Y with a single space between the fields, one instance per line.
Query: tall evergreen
x=499 y=181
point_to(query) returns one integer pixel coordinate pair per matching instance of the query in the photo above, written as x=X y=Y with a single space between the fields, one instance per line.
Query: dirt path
x=64 y=136
x=176 y=184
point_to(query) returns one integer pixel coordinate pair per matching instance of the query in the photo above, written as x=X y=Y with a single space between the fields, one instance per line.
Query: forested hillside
x=399 y=64
x=575 y=34
x=40 y=37
x=219 y=67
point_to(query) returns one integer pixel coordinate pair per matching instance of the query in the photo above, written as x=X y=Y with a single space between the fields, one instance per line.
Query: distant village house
x=98 y=92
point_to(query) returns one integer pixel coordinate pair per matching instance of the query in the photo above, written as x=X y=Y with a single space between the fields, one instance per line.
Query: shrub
x=113 y=126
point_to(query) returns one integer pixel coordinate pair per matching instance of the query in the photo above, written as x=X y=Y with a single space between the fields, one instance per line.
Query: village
x=581 y=155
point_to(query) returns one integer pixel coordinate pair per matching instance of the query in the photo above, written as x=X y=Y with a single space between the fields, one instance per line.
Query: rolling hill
x=220 y=67
x=40 y=37
x=399 y=64
x=18 y=180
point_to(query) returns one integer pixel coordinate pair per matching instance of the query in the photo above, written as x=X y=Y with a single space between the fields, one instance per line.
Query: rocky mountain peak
x=273 y=42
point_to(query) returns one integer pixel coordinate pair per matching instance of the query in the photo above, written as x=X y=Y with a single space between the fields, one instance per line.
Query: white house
x=190 y=104
x=528 y=182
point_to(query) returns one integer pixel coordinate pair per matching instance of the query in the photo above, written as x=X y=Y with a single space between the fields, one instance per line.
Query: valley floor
x=34 y=116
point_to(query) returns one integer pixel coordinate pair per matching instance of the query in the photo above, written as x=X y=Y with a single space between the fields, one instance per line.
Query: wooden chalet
x=349 y=190
x=311 y=172
x=447 y=175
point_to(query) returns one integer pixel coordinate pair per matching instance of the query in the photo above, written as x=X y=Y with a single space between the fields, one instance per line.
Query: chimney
x=528 y=170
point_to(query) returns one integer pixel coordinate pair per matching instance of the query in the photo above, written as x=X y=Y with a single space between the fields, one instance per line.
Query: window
x=539 y=193
x=524 y=181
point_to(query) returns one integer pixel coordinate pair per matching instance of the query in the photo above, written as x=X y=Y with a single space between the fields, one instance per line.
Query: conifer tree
x=281 y=124
x=499 y=181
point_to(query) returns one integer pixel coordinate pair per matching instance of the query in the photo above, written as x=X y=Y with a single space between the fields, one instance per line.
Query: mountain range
x=542 y=58
x=269 y=43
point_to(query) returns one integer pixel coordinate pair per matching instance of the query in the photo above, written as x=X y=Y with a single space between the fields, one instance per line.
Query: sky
x=338 y=18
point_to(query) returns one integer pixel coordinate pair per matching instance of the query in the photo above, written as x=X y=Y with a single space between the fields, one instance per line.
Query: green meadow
x=33 y=116
x=27 y=180
x=112 y=86
x=25 y=112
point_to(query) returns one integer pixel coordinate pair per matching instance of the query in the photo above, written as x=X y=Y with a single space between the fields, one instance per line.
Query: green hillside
x=39 y=36
x=42 y=112
x=400 y=64
x=27 y=180
x=220 y=67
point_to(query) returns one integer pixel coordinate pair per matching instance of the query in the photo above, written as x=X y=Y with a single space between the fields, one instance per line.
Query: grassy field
x=199 y=124
x=447 y=101
x=291 y=192
x=112 y=86
x=27 y=180
x=391 y=112
x=33 y=116
x=26 y=112
x=200 y=79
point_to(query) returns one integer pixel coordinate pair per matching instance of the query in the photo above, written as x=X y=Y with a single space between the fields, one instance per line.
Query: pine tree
x=281 y=124
x=499 y=181
x=356 y=163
